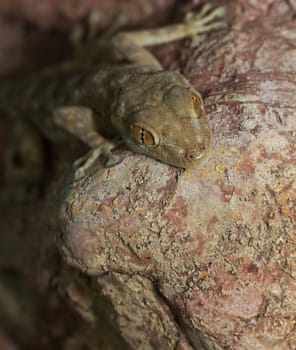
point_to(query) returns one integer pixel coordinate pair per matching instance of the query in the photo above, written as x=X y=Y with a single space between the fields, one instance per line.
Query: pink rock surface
x=203 y=258
x=207 y=255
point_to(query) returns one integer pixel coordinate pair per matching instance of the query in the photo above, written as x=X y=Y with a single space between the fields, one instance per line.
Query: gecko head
x=173 y=129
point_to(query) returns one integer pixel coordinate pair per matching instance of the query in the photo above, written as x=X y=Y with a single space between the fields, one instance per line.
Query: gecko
x=117 y=92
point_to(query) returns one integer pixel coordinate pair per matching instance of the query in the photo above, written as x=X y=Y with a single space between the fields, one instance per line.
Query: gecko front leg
x=79 y=121
x=206 y=20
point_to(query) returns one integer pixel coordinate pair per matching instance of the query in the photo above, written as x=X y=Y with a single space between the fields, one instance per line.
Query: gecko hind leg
x=86 y=31
x=91 y=48
x=79 y=121
x=89 y=30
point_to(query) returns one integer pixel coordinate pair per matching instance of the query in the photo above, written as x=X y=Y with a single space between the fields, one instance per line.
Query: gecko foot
x=86 y=31
x=84 y=163
x=207 y=19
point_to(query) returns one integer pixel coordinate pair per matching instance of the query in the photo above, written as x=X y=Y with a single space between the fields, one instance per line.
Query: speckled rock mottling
x=217 y=242
x=196 y=259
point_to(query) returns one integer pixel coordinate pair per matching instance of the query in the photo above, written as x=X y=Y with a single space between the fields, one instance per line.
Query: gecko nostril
x=203 y=147
x=191 y=156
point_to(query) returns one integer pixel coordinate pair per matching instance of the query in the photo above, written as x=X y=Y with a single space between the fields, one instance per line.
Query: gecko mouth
x=194 y=157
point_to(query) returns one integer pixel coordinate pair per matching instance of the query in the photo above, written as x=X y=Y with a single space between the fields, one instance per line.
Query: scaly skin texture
x=154 y=112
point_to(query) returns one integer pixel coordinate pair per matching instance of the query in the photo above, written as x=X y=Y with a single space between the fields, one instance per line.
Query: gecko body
x=153 y=111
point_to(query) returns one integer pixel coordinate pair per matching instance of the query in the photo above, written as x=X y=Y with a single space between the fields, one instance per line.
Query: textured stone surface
x=215 y=245
x=201 y=259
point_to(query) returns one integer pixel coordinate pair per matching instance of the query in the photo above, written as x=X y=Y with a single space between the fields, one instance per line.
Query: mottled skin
x=154 y=112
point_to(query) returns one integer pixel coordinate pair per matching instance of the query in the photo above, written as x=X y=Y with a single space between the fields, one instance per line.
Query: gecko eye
x=197 y=105
x=143 y=136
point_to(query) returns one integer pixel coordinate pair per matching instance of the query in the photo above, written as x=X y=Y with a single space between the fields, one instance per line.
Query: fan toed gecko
x=118 y=92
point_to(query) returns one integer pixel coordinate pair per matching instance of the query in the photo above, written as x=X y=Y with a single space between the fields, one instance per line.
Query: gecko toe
x=83 y=164
x=112 y=160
